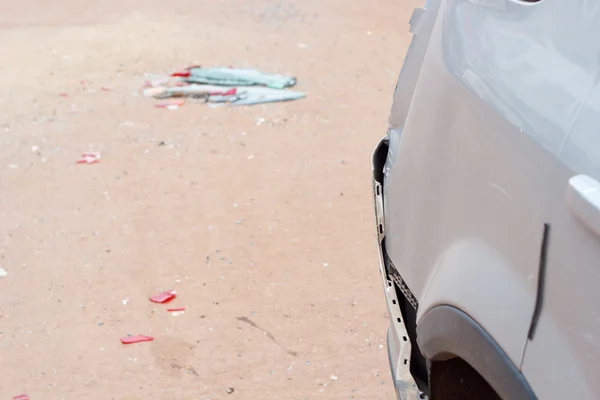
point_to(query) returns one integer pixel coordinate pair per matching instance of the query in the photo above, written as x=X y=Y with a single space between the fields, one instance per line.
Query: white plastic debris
x=3 y=272
x=334 y=378
x=125 y=301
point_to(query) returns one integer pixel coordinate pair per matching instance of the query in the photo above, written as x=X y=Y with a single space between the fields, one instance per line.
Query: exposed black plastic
x=445 y=332
x=541 y=283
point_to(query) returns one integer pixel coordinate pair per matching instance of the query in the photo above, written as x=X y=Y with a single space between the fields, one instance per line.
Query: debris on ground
x=222 y=85
x=230 y=390
x=170 y=105
x=21 y=397
x=125 y=301
x=191 y=91
x=164 y=297
x=89 y=158
x=259 y=95
x=3 y=272
x=235 y=77
x=177 y=311
x=237 y=96
x=136 y=339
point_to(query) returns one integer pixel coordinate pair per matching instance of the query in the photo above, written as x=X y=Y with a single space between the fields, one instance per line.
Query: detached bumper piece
x=398 y=341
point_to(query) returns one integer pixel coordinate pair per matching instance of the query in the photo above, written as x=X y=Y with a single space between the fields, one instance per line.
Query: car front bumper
x=398 y=341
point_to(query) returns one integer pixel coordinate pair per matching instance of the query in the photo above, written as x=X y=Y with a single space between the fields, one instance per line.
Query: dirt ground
x=264 y=228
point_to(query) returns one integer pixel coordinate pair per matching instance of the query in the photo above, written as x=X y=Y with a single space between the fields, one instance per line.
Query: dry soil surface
x=260 y=217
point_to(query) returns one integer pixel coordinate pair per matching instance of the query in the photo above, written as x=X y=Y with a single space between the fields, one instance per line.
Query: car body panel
x=497 y=107
x=446 y=331
x=562 y=359
x=442 y=213
x=544 y=80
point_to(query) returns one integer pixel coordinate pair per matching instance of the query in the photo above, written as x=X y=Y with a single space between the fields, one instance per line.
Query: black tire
x=454 y=379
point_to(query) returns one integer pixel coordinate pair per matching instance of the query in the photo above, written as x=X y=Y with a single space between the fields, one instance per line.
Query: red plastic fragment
x=105 y=89
x=21 y=397
x=136 y=339
x=63 y=95
x=163 y=297
x=186 y=71
x=229 y=92
x=89 y=158
x=181 y=74
x=176 y=309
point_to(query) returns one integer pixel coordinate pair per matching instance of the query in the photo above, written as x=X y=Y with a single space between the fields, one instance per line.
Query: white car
x=488 y=202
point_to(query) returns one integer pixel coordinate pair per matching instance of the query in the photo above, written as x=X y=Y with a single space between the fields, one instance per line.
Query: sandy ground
x=265 y=230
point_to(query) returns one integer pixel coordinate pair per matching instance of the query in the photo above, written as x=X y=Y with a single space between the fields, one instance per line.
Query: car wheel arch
x=446 y=332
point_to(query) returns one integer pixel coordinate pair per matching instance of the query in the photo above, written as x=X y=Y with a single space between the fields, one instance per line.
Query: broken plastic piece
x=136 y=339
x=236 y=77
x=176 y=309
x=260 y=95
x=21 y=397
x=163 y=297
x=89 y=158
x=193 y=91
x=171 y=105
x=180 y=74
